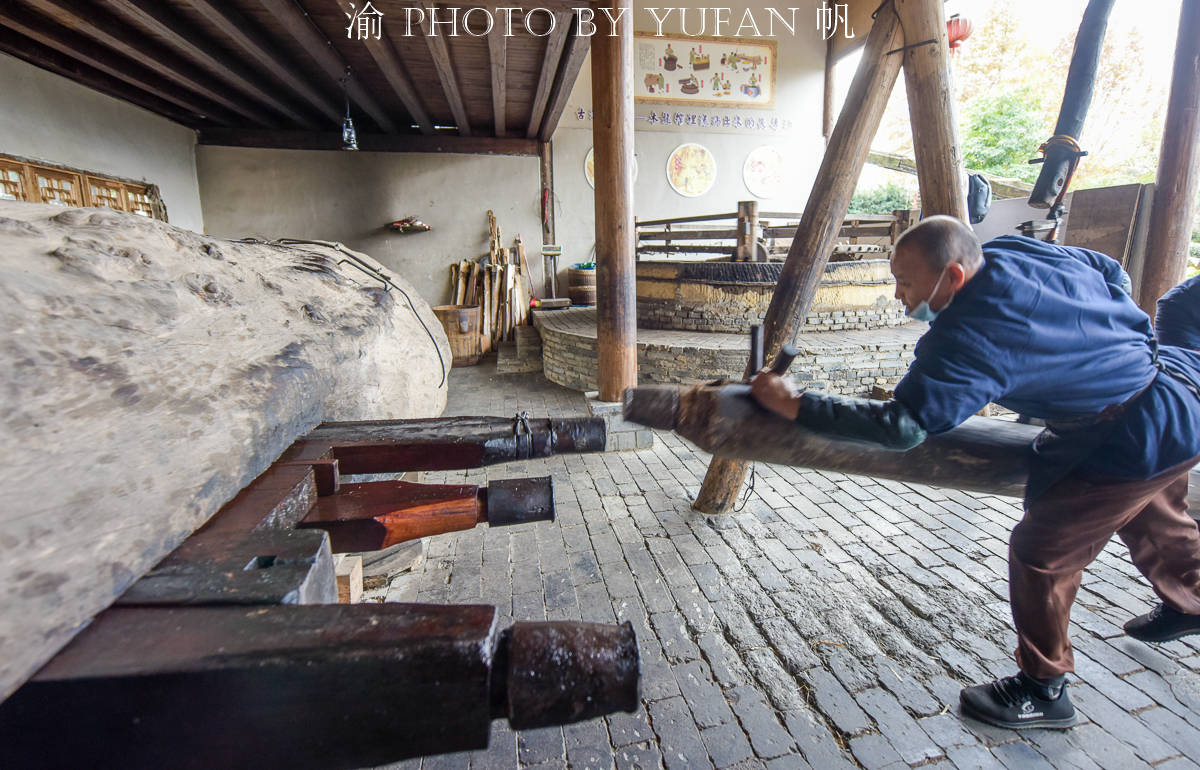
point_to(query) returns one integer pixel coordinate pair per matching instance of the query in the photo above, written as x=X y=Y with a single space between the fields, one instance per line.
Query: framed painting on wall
x=704 y=71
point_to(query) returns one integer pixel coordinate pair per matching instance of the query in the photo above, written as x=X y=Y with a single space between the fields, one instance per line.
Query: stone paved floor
x=829 y=624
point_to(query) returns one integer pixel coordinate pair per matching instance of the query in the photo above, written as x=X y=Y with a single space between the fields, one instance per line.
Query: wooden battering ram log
x=983 y=454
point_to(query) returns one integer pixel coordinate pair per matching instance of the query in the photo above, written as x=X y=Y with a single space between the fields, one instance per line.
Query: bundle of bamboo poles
x=499 y=283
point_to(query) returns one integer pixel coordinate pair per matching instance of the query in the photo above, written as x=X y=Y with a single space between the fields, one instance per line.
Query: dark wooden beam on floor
x=101 y=27
x=393 y=69
x=828 y=202
x=1178 y=168
x=498 y=54
x=159 y=20
x=568 y=71
x=73 y=46
x=317 y=140
x=612 y=132
x=239 y=31
x=304 y=31
x=51 y=60
x=931 y=111
x=550 y=67
x=445 y=71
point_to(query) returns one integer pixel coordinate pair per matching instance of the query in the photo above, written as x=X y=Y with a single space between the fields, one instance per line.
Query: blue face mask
x=922 y=312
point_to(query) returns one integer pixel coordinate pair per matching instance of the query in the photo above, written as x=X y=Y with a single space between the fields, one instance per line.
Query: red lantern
x=958 y=29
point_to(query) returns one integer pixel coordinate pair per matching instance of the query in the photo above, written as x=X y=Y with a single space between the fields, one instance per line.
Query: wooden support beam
x=304 y=31
x=1002 y=187
x=75 y=46
x=827 y=93
x=240 y=32
x=316 y=140
x=445 y=73
x=572 y=62
x=551 y=60
x=612 y=132
x=931 y=110
x=747 y=231
x=159 y=21
x=827 y=205
x=65 y=65
x=498 y=54
x=1178 y=168
x=98 y=25
x=384 y=53
x=546 y=152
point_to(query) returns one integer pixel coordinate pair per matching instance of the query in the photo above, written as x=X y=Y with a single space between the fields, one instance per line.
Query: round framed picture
x=691 y=170
x=589 y=168
x=763 y=172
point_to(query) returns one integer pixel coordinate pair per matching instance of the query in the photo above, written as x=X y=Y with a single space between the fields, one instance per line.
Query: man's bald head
x=940 y=240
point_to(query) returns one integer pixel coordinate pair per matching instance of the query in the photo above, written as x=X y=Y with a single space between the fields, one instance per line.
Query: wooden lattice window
x=23 y=180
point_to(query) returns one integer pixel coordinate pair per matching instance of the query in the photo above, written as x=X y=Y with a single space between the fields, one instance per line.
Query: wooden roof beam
x=329 y=140
x=301 y=27
x=240 y=32
x=157 y=18
x=572 y=61
x=498 y=53
x=76 y=47
x=394 y=70
x=550 y=66
x=445 y=71
x=89 y=21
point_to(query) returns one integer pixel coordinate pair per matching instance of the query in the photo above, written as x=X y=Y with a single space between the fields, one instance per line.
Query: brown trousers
x=1067 y=527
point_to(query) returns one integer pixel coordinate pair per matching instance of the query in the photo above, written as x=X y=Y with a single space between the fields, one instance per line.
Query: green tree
x=883 y=199
x=1001 y=133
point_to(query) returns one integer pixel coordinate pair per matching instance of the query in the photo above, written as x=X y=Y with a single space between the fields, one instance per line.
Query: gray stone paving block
x=1175 y=731
x=544 y=744
x=1106 y=750
x=1160 y=690
x=757 y=602
x=1126 y=728
x=673 y=636
x=605 y=544
x=584 y=568
x=973 y=758
x=703 y=696
x=619 y=580
x=788 y=762
x=501 y=751
x=643 y=756
x=1056 y=747
x=1145 y=655
x=1020 y=756
x=850 y=671
x=690 y=550
x=737 y=624
x=624 y=728
x=595 y=604
x=559 y=590
x=1179 y=763
x=1117 y=690
x=946 y=730
x=815 y=742
x=835 y=703
x=792 y=649
x=726 y=744
x=678 y=738
x=778 y=685
x=909 y=740
x=767 y=735
x=874 y=752
x=767 y=575
x=726 y=666
x=962 y=664
x=695 y=609
x=905 y=687
x=576 y=538
x=530 y=606
x=590 y=758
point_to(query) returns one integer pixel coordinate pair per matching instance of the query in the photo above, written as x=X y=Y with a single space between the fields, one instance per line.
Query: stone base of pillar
x=622 y=435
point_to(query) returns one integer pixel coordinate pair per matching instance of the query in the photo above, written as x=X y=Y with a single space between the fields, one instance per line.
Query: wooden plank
x=551 y=60
x=1178 y=168
x=546 y=151
x=931 y=108
x=65 y=65
x=1002 y=187
x=241 y=33
x=349 y=572
x=158 y=20
x=384 y=53
x=292 y=18
x=497 y=54
x=1102 y=219
x=826 y=209
x=572 y=62
x=445 y=73
x=99 y=26
x=313 y=140
x=82 y=49
x=380 y=514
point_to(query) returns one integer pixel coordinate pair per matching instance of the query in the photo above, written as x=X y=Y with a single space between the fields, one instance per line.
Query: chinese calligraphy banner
x=708 y=71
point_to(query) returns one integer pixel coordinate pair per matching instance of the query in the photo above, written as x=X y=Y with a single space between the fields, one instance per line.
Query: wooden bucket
x=581 y=285
x=461 y=323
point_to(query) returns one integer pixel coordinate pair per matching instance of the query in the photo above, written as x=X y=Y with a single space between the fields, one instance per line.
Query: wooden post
x=931 y=110
x=1178 y=168
x=827 y=205
x=612 y=133
x=747 y=231
x=827 y=106
x=547 y=165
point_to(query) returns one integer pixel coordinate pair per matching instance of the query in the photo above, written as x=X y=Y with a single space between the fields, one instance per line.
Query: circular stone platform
x=846 y=361
x=723 y=296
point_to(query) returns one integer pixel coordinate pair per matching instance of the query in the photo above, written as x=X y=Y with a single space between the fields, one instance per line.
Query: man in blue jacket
x=1177 y=320
x=1048 y=331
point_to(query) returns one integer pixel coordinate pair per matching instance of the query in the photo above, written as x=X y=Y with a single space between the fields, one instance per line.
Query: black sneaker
x=1017 y=702
x=1163 y=624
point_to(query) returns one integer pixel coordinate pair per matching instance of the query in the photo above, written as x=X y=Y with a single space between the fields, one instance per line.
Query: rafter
x=497 y=52
x=317 y=140
x=75 y=46
x=298 y=24
x=550 y=66
x=158 y=19
x=239 y=31
x=572 y=61
x=89 y=21
x=394 y=70
x=445 y=71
